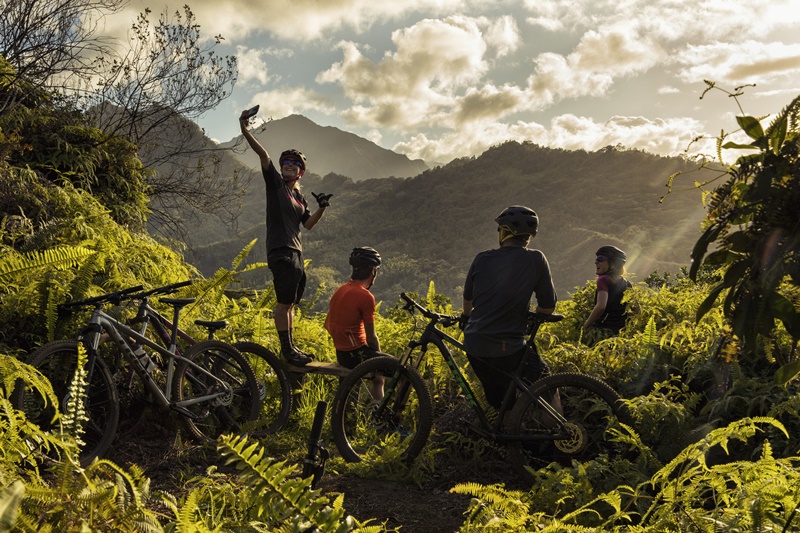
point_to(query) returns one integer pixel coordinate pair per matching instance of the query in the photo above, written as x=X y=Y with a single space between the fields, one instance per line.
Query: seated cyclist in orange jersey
x=351 y=315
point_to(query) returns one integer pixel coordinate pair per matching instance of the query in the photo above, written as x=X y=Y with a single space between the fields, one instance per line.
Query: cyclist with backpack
x=497 y=296
x=287 y=213
x=609 y=313
x=351 y=315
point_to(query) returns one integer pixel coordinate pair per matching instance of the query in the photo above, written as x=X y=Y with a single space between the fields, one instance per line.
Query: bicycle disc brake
x=577 y=440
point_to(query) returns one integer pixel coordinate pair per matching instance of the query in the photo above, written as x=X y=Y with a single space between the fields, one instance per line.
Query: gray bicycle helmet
x=519 y=220
x=365 y=256
x=293 y=155
x=613 y=254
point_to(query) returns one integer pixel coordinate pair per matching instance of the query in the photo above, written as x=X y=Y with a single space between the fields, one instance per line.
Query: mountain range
x=429 y=226
x=328 y=149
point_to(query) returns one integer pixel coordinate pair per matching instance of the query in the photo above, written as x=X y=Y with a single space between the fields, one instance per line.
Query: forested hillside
x=429 y=227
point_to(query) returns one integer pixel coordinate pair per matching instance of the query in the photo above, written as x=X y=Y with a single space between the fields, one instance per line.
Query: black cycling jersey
x=500 y=284
x=287 y=209
x=616 y=311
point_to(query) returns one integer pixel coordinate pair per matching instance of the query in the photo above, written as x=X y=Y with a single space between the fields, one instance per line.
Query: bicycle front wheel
x=274 y=388
x=589 y=409
x=370 y=427
x=57 y=361
x=217 y=393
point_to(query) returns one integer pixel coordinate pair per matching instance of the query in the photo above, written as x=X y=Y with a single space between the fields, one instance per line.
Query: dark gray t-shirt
x=287 y=209
x=500 y=284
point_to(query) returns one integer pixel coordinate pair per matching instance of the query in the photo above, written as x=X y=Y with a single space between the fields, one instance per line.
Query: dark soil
x=426 y=506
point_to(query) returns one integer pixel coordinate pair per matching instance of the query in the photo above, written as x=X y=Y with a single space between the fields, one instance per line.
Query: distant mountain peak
x=329 y=150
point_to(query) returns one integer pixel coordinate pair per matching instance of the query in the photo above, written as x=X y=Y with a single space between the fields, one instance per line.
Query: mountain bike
x=211 y=387
x=275 y=388
x=559 y=417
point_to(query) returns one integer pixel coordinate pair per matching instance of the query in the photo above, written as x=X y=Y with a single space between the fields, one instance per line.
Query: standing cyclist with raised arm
x=287 y=211
x=497 y=296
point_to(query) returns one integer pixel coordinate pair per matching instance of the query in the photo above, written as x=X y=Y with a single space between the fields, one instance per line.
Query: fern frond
x=75 y=413
x=281 y=499
x=10 y=499
x=494 y=503
x=58 y=257
x=241 y=256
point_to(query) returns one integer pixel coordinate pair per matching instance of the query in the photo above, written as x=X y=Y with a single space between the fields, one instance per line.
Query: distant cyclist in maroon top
x=351 y=315
x=287 y=211
x=609 y=313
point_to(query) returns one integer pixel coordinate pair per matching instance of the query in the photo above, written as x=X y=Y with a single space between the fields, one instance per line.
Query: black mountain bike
x=559 y=417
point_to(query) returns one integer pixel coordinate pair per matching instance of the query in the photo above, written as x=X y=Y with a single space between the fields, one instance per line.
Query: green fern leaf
x=59 y=257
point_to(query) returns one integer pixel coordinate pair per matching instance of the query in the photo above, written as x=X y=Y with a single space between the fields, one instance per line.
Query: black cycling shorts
x=288 y=274
x=493 y=373
x=352 y=358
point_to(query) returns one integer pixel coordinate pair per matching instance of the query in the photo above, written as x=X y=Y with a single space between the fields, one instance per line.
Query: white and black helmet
x=364 y=256
x=519 y=220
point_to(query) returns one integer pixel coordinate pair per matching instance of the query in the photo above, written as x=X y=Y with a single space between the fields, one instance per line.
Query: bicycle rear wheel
x=57 y=361
x=401 y=421
x=274 y=388
x=235 y=396
x=590 y=408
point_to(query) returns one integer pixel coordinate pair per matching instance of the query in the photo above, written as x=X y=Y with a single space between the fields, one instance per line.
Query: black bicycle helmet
x=613 y=254
x=293 y=155
x=519 y=220
x=365 y=256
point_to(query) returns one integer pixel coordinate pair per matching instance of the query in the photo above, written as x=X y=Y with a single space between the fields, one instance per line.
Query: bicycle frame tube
x=148 y=314
x=437 y=337
x=119 y=331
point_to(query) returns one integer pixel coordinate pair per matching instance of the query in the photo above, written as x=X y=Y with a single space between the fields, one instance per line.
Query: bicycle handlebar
x=113 y=297
x=534 y=318
x=131 y=293
x=166 y=289
x=446 y=320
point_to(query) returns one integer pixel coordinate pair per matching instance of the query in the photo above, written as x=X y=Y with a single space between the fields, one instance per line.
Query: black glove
x=462 y=321
x=324 y=200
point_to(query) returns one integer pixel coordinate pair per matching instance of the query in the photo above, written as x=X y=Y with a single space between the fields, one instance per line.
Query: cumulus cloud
x=432 y=59
x=571 y=132
x=299 y=20
x=252 y=65
x=503 y=35
x=282 y=103
x=486 y=103
x=735 y=63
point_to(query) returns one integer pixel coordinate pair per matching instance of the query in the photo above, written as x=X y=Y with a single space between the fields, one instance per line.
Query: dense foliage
x=753 y=219
x=712 y=445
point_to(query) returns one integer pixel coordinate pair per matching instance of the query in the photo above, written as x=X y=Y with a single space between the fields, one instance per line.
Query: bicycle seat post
x=177 y=304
